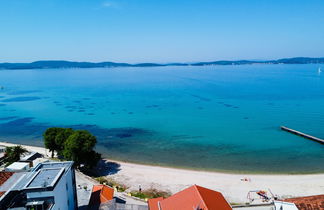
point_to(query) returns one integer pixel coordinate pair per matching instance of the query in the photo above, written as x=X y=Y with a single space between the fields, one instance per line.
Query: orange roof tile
x=4 y=176
x=154 y=203
x=194 y=197
x=2 y=192
x=101 y=194
x=308 y=202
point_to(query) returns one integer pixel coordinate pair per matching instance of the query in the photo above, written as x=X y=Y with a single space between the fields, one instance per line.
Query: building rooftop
x=16 y=166
x=154 y=203
x=30 y=156
x=45 y=178
x=42 y=178
x=11 y=181
x=194 y=197
x=101 y=194
x=65 y=164
x=43 y=175
x=308 y=202
x=4 y=176
x=280 y=205
x=2 y=192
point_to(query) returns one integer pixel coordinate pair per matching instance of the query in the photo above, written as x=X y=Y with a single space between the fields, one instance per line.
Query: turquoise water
x=222 y=118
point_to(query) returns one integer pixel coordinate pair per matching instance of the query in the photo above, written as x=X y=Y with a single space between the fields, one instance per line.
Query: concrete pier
x=313 y=138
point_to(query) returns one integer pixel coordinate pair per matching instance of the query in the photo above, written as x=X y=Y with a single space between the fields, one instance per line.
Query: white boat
x=319 y=70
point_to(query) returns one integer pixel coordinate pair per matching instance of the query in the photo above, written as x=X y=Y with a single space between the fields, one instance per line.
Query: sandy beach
x=233 y=186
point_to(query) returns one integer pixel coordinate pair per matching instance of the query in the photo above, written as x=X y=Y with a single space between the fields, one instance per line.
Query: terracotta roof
x=154 y=203
x=194 y=197
x=2 y=192
x=308 y=202
x=101 y=194
x=4 y=176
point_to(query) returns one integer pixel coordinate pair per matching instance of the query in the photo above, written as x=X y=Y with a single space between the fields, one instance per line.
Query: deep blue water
x=215 y=118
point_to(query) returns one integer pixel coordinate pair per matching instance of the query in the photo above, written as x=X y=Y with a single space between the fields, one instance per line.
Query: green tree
x=49 y=139
x=79 y=148
x=60 y=139
x=12 y=154
x=54 y=139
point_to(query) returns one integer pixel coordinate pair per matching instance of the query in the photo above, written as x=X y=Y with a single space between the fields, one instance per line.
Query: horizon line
x=162 y=63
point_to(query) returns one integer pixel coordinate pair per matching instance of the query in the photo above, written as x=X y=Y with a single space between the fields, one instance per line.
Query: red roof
x=308 y=202
x=4 y=176
x=154 y=203
x=101 y=194
x=2 y=192
x=194 y=197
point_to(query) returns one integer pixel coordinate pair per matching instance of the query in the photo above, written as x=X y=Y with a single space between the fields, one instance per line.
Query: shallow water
x=214 y=118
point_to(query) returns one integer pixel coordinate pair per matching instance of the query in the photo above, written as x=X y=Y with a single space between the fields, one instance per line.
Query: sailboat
x=319 y=71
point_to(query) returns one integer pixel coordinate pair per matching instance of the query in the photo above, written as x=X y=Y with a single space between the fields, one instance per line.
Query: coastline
x=38 y=145
x=61 y=64
x=232 y=185
x=209 y=170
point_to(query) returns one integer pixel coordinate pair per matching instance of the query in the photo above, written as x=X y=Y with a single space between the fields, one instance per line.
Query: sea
x=213 y=118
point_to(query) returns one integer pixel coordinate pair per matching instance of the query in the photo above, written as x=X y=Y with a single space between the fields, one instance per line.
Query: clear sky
x=160 y=31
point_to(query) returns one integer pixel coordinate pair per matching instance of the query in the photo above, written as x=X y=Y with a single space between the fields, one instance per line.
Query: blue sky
x=159 y=31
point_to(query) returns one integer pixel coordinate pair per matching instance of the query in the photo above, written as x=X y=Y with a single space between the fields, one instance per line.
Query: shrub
x=150 y=193
x=122 y=188
x=112 y=183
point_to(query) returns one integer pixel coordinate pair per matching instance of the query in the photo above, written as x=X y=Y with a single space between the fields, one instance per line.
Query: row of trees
x=69 y=144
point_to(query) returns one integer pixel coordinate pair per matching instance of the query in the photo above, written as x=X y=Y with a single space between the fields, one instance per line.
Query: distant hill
x=69 y=64
x=298 y=60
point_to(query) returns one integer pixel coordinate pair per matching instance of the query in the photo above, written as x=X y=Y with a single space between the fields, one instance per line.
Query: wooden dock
x=313 y=138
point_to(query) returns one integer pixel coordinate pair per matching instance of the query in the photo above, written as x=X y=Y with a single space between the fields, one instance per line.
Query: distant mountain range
x=70 y=64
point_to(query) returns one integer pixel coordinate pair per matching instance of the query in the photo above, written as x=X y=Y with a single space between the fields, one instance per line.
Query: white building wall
x=280 y=205
x=63 y=193
x=70 y=185
x=18 y=166
x=59 y=193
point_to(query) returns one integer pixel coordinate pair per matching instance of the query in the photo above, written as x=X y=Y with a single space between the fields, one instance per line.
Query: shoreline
x=212 y=170
x=209 y=170
x=233 y=186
